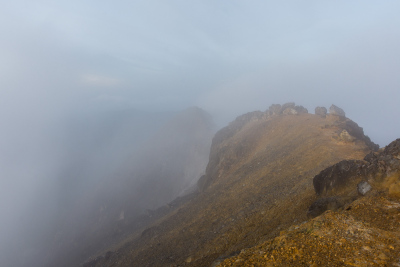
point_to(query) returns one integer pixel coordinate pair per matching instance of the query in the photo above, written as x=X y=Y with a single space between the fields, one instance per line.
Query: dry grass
x=260 y=183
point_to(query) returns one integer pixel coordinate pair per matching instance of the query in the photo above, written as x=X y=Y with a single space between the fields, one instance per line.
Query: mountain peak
x=258 y=181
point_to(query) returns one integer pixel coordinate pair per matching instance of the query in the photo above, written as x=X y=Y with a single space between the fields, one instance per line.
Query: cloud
x=100 y=81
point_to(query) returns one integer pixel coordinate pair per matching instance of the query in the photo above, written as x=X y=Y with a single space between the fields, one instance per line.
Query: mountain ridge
x=260 y=164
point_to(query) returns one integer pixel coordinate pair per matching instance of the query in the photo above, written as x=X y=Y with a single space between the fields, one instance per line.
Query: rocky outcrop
x=349 y=131
x=274 y=109
x=289 y=108
x=337 y=177
x=288 y=105
x=321 y=111
x=301 y=110
x=335 y=110
x=349 y=179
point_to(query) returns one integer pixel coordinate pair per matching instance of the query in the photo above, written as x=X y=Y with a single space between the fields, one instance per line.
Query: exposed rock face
x=321 y=111
x=259 y=165
x=290 y=111
x=286 y=109
x=354 y=132
x=335 y=110
x=301 y=110
x=275 y=109
x=337 y=176
x=288 y=105
x=350 y=178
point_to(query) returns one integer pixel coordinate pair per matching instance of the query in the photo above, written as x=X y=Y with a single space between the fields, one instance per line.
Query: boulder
x=290 y=111
x=288 y=105
x=321 y=111
x=363 y=188
x=335 y=110
x=345 y=177
x=301 y=110
x=339 y=176
x=275 y=109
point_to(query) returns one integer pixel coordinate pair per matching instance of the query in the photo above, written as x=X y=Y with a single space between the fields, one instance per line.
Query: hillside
x=259 y=181
x=358 y=224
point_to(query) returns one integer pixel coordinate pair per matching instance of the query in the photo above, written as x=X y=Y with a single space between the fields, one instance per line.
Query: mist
x=85 y=86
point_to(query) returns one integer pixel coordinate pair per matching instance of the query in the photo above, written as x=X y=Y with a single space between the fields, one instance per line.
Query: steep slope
x=365 y=231
x=258 y=181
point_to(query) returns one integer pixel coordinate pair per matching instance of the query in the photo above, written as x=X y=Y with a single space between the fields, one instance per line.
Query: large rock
x=345 y=177
x=335 y=110
x=337 y=177
x=288 y=105
x=301 y=110
x=321 y=111
x=290 y=111
x=275 y=109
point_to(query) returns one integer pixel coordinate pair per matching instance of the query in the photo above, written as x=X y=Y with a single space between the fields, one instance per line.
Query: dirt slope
x=258 y=182
x=366 y=233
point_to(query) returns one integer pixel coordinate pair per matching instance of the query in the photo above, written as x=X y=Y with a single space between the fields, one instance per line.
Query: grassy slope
x=261 y=182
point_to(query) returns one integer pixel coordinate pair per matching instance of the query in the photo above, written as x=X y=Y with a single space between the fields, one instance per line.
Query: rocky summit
x=282 y=188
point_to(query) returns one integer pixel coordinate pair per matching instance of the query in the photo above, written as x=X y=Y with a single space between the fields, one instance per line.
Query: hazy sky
x=227 y=57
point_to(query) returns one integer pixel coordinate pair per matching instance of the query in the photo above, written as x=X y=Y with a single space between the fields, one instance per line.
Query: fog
x=85 y=84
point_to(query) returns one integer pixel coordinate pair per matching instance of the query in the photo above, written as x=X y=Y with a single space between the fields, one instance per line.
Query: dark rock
x=323 y=204
x=288 y=105
x=356 y=131
x=342 y=176
x=275 y=109
x=337 y=176
x=321 y=111
x=363 y=188
x=335 y=110
x=301 y=110
x=290 y=111
x=393 y=149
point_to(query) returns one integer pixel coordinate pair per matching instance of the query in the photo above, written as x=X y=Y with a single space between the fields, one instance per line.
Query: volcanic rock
x=321 y=111
x=275 y=109
x=301 y=110
x=335 y=110
x=288 y=105
x=290 y=111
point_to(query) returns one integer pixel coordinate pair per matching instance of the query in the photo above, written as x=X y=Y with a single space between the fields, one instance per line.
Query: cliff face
x=258 y=181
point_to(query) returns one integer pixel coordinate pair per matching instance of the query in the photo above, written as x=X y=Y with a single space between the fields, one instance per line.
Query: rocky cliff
x=258 y=182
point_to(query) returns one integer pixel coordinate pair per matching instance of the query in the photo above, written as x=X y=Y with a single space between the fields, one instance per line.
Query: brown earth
x=366 y=233
x=258 y=182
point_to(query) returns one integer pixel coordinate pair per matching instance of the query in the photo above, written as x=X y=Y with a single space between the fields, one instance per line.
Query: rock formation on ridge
x=258 y=182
